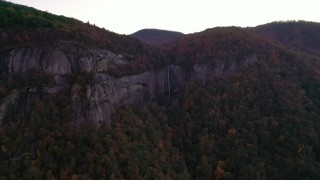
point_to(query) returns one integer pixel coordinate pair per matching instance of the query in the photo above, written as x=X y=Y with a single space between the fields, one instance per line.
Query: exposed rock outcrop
x=59 y=59
x=6 y=102
x=106 y=93
x=219 y=67
x=109 y=93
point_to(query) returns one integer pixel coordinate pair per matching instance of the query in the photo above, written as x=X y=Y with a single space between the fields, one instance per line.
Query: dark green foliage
x=19 y=16
x=136 y=145
x=312 y=89
x=255 y=123
x=22 y=26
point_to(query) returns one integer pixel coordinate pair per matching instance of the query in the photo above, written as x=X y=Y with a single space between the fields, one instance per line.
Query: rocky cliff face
x=59 y=59
x=109 y=93
x=106 y=93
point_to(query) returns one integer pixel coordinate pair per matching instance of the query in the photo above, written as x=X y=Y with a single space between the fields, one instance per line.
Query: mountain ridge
x=298 y=35
x=156 y=36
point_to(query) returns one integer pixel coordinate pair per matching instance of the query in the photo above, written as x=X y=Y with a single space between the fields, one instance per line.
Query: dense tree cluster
x=298 y=35
x=258 y=124
x=228 y=44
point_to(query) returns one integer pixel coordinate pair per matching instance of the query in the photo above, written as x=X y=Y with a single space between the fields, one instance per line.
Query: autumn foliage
x=258 y=122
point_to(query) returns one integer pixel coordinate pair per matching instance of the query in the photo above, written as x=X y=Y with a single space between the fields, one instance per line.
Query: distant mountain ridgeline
x=156 y=36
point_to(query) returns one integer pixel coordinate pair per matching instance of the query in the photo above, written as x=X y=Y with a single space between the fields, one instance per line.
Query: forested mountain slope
x=299 y=35
x=27 y=27
x=80 y=102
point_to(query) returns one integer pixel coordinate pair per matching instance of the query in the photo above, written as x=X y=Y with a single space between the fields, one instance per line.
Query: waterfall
x=168 y=74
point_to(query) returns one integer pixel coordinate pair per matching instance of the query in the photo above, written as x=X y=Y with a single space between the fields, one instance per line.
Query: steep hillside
x=23 y=27
x=80 y=102
x=216 y=43
x=231 y=45
x=254 y=119
x=156 y=36
x=299 y=35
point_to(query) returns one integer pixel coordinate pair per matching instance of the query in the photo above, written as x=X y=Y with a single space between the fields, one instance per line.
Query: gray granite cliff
x=106 y=93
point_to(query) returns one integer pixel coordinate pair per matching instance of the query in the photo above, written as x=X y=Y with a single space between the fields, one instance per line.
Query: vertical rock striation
x=104 y=95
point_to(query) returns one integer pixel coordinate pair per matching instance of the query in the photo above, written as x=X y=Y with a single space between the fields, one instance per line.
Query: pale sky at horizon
x=187 y=16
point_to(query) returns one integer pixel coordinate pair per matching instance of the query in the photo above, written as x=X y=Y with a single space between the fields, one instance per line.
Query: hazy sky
x=187 y=16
